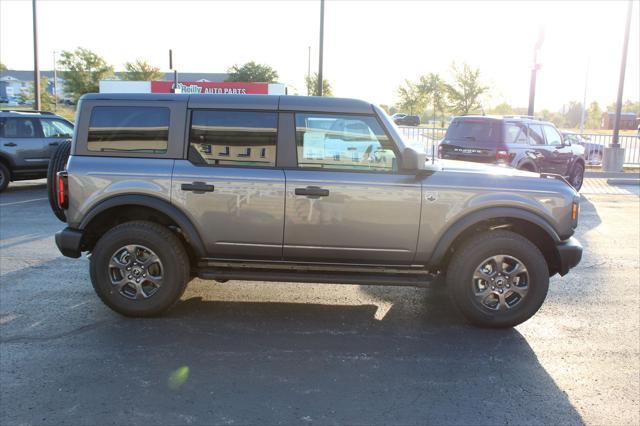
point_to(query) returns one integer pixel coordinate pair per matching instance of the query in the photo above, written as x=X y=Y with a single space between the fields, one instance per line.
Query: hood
x=472 y=167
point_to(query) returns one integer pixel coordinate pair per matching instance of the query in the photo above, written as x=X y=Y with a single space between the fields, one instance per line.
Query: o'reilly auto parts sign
x=223 y=88
x=206 y=87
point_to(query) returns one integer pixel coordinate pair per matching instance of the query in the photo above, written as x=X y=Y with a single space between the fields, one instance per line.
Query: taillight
x=502 y=155
x=61 y=187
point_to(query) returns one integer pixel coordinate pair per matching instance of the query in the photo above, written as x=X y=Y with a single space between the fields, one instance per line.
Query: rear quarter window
x=129 y=129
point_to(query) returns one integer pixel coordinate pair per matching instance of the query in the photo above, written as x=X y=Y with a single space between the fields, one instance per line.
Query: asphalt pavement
x=279 y=353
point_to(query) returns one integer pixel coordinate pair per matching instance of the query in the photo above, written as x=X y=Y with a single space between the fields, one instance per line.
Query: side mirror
x=413 y=160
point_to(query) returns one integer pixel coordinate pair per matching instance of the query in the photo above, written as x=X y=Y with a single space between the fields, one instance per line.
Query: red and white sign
x=223 y=88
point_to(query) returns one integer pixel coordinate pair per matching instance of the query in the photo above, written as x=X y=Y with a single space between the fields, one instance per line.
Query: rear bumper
x=570 y=253
x=68 y=241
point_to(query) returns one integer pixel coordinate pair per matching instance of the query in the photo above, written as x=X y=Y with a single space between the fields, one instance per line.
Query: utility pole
x=174 y=88
x=534 y=71
x=55 y=83
x=584 y=98
x=36 y=70
x=320 y=78
x=613 y=159
x=309 y=63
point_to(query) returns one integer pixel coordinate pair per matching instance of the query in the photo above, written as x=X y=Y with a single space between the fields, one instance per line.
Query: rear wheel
x=57 y=163
x=498 y=279
x=5 y=177
x=595 y=157
x=139 y=269
x=577 y=176
x=527 y=167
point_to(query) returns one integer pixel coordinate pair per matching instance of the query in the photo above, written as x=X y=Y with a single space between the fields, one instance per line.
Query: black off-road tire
x=57 y=163
x=165 y=244
x=5 y=177
x=577 y=176
x=470 y=256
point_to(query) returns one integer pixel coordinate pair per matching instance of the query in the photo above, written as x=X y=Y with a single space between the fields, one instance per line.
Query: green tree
x=252 y=72
x=83 y=70
x=389 y=109
x=311 y=82
x=502 y=109
x=555 y=117
x=573 y=114
x=594 y=116
x=434 y=90
x=3 y=67
x=412 y=100
x=627 y=106
x=46 y=98
x=141 y=70
x=464 y=95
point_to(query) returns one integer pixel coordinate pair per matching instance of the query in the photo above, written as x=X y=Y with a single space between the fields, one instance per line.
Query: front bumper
x=68 y=241
x=570 y=253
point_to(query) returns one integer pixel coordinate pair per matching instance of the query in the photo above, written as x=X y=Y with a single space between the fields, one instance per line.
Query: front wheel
x=5 y=177
x=498 y=279
x=139 y=268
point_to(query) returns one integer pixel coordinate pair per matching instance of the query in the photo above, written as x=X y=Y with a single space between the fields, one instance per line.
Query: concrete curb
x=623 y=181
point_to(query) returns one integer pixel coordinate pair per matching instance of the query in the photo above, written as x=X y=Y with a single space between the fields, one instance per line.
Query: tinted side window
x=20 y=128
x=129 y=129
x=535 y=134
x=515 y=133
x=56 y=129
x=233 y=138
x=553 y=137
x=343 y=142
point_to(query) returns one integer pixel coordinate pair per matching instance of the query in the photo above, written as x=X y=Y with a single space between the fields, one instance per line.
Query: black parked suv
x=524 y=143
x=405 y=120
x=27 y=141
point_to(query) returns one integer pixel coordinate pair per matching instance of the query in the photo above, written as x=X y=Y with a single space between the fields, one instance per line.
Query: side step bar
x=407 y=280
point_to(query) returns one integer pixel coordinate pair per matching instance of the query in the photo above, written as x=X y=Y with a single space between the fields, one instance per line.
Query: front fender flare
x=455 y=230
x=154 y=203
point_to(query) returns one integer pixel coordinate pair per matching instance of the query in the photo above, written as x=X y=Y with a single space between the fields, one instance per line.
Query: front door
x=346 y=201
x=230 y=187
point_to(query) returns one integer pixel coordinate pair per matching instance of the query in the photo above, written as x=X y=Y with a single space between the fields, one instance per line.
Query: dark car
x=405 y=120
x=592 y=151
x=27 y=141
x=524 y=143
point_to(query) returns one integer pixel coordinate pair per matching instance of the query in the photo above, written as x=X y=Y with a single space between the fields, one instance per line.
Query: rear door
x=346 y=202
x=55 y=131
x=21 y=139
x=229 y=184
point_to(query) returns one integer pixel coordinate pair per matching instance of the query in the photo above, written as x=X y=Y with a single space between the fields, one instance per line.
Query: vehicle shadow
x=213 y=359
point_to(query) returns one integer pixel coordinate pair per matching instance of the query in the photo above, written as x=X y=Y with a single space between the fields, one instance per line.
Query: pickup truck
x=164 y=188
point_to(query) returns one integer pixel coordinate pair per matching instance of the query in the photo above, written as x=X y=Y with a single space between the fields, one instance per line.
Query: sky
x=370 y=47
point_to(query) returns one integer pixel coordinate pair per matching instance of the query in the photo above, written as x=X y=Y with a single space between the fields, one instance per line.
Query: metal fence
x=430 y=137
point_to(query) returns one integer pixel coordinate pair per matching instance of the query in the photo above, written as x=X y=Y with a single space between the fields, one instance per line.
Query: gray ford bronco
x=160 y=189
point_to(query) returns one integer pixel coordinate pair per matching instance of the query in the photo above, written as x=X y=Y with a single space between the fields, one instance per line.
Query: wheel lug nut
x=493 y=287
x=129 y=277
x=144 y=275
x=128 y=268
x=498 y=290
x=138 y=280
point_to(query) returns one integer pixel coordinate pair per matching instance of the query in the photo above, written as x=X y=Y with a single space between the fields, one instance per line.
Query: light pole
x=36 y=70
x=55 y=83
x=319 y=82
x=534 y=71
x=584 y=98
x=613 y=158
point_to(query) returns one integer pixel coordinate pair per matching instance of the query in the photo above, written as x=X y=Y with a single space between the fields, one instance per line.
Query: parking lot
x=275 y=353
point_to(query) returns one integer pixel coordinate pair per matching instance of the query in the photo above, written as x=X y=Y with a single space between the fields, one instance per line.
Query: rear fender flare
x=154 y=203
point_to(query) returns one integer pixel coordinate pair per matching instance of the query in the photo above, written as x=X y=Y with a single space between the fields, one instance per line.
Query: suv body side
x=25 y=148
x=262 y=213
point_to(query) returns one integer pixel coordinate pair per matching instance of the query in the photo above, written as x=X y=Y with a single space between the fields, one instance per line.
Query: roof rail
x=521 y=116
x=28 y=111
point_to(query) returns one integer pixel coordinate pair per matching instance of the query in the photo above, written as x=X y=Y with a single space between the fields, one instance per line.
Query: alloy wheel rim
x=135 y=272
x=500 y=283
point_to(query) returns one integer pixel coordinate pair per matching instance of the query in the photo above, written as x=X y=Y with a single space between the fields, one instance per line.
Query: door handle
x=10 y=144
x=54 y=143
x=312 y=191
x=197 y=187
